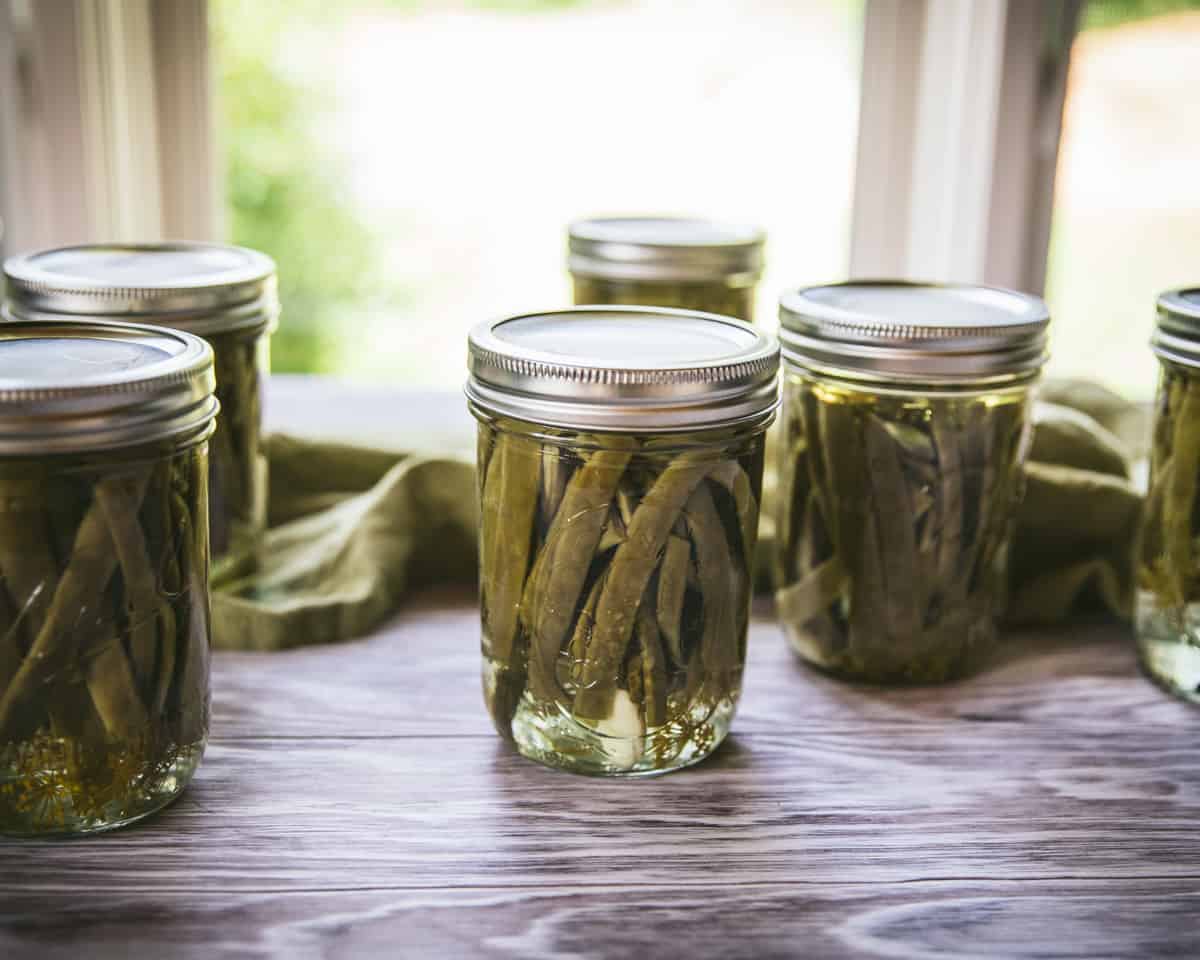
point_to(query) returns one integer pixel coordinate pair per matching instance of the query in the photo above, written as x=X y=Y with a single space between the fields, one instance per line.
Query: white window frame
x=960 y=122
x=110 y=135
x=106 y=123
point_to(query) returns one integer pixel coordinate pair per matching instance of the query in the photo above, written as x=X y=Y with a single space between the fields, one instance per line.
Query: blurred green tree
x=282 y=185
x=1113 y=13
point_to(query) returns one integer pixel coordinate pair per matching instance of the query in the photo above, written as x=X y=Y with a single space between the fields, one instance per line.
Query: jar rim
x=625 y=369
x=666 y=249
x=911 y=331
x=91 y=386
x=1177 y=330
x=204 y=288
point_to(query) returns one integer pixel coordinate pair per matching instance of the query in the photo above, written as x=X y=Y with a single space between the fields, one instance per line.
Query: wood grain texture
x=429 y=656
x=355 y=803
x=1085 y=920
x=980 y=803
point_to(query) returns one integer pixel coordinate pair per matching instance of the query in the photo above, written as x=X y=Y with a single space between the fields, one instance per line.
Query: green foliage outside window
x=1113 y=13
x=283 y=187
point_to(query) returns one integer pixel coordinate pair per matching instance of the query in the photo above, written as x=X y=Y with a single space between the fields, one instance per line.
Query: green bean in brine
x=896 y=511
x=633 y=597
x=672 y=587
x=637 y=499
x=713 y=296
x=509 y=501
x=94 y=705
x=1168 y=598
x=237 y=474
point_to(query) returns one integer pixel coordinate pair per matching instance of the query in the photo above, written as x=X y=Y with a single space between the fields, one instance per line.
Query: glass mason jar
x=225 y=295
x=1168 y=599
x=666 y=262
x=104 y=631
x=619 y=495
x=905 y=429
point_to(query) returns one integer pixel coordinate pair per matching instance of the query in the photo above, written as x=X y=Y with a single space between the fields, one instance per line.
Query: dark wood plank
x=420 y=676
x=943 y=919
x=889 y=803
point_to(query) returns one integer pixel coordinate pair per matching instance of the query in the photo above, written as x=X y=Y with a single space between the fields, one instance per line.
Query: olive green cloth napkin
x=354 y=529
x=1076 y=529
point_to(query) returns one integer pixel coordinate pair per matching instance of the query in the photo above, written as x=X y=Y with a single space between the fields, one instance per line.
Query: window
x=1126 y=221
x=413 y=166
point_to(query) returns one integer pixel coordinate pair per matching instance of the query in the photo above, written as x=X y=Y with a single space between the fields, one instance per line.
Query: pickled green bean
x=1168 y=601
x=635 y=602
x=237 y=466
x=556 y=584
x=672 y=586
x=148 y=610
x=632 y=567
x=653 y=666
x=509 y=497
x=715 y=296
x=897 y=509
x=92 y=725
x=719 y=660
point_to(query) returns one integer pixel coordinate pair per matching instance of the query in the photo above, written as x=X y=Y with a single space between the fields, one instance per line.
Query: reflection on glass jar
x=104 y=632
x=906 y=421
x=615 y=564
x=666 y=262
x=1168 y=604
x=224 y=294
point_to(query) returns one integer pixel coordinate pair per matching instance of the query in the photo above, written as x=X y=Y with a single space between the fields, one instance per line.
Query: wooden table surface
x=354 y=802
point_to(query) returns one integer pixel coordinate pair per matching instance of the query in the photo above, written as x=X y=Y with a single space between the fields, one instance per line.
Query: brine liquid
x=615 y=585
x=893 y=524
x=715 y=297
x=104 y=636
x=1169 y=645
x=548 y=732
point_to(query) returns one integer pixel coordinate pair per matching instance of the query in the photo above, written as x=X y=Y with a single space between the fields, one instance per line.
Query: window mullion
x=956 y=122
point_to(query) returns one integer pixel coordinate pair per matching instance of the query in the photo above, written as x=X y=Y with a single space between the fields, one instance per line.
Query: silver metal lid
x=915 y=332
x=79 y=387
x=665 y=248
x=1177 y=335
x=627 y=369
x=203 y=288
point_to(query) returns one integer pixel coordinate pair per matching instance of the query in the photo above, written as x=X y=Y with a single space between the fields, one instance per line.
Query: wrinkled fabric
x=353 y=530
x=1076 y=529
